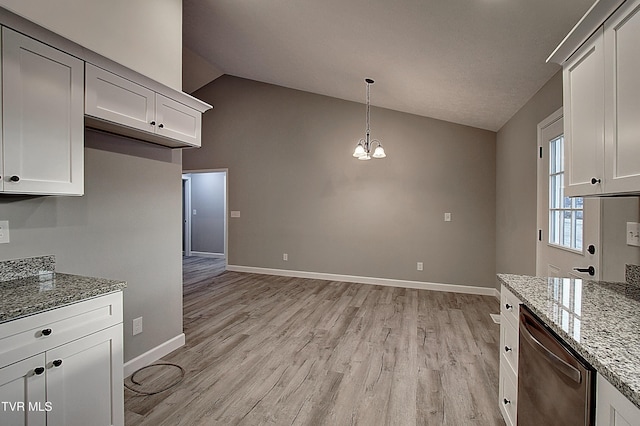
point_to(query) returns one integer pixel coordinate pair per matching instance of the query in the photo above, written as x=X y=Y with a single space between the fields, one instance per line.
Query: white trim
x=186 y=212
x=207 y=254
x=153 y=355
x=420 y=285
x=226 y=203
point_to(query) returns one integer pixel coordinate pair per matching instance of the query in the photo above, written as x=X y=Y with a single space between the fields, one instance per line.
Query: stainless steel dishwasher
x=555 y=385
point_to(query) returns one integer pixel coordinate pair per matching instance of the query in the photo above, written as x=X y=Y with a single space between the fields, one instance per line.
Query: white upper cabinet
x=116 y=101
x=178 y=121
x=42 y=115
x=583 y=76
x=601 y=108
x=622 y=99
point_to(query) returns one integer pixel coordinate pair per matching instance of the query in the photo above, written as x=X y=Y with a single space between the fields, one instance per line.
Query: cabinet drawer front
x=509 y=344
x=509 y=306
x=41 y=332
x=118 y=100
x=508 y=391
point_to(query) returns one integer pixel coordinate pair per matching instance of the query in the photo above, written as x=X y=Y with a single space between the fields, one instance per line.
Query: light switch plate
x=4 y=231
x=633 y=234
x=235 y=213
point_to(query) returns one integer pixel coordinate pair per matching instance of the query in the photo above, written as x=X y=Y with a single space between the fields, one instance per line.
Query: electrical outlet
x=137 y=326
x=447 y=217
x=285 y=256
x=4 y=231
x=420 y=266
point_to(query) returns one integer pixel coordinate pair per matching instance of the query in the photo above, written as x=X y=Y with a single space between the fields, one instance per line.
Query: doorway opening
x=205 y=225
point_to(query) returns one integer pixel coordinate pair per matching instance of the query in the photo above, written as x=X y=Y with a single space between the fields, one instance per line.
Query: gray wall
x=126 y=227
x=207 y=225
x=516 y=198
x=299 y=190
x=516 y=185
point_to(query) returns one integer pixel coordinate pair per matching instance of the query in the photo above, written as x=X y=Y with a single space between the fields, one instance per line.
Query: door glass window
x=565 y=214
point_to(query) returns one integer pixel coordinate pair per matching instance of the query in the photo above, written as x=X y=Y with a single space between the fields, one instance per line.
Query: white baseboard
x=153 y=355
x=207 y=254
x=420 y=285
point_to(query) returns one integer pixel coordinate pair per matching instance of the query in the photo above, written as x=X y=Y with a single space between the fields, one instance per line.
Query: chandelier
x=364 y=146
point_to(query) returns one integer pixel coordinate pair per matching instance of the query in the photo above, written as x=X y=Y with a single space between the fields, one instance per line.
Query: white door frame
x=226 y=206
x=186 y=225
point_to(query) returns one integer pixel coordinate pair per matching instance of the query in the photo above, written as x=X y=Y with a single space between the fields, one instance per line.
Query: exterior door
x=568 y=228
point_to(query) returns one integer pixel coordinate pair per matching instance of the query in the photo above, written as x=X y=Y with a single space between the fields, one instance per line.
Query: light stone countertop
x=31 y=295
x=599 y=320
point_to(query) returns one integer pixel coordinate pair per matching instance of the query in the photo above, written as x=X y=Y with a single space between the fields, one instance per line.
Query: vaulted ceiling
x=473 y=62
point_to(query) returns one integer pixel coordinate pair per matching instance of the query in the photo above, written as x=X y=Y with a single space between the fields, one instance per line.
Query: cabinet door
x=22 y=393
x=84 y=380
x=178 y=121
x=112 y=98
x=583 y=76
x=43 y=119
x=612 y=407
x=622 y=119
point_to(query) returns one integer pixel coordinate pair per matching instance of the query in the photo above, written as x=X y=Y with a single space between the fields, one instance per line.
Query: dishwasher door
x=555 y=385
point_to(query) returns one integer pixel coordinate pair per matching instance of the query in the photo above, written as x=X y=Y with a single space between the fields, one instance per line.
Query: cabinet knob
x=14 y=178
x=595 y=181
x=506 y=401
x=153 y=123
x=507 y=349
x=508 y=306
x=57 y=363
x=46 y=332
x=161 y=125
x=39 y=370
x=591 y=249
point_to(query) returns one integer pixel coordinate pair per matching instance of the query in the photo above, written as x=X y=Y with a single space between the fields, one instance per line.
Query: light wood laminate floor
x=288 y=351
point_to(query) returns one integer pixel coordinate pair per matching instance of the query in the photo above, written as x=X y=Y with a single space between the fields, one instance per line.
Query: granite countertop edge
x=23 y=297
x=601 y=365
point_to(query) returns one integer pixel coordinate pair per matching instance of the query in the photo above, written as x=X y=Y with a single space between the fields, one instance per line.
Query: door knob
x=591 y=249
x=591 y=270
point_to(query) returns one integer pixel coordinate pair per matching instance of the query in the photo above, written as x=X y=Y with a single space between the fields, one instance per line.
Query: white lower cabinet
x=78 y=382
x=22 y=392
x=612 y=407
x=509 y=346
